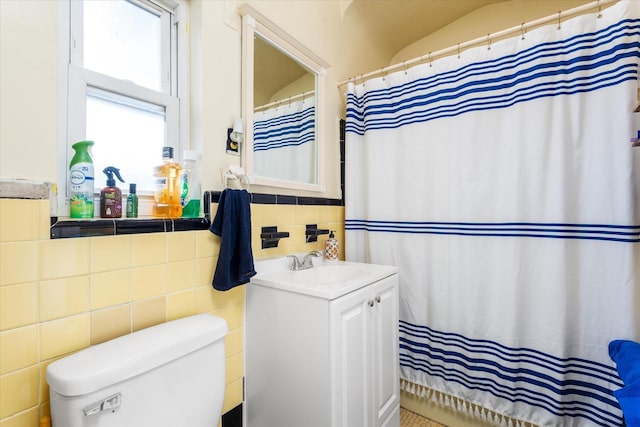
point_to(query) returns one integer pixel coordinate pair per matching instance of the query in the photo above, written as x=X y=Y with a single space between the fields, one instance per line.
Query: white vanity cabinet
x=321 y=361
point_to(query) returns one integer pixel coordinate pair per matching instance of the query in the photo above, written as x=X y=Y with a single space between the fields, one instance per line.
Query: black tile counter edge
x=280 y=199
x=116 y=227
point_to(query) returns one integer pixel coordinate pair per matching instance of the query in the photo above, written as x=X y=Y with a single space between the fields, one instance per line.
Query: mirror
x=282 y=90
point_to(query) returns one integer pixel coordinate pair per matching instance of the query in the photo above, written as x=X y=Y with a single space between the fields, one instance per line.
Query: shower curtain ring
x=599 y=10
x=523 y=31
x=430 y=61
x=559 y=21
x=404 y=65
x=458 y=50
x=489 y=41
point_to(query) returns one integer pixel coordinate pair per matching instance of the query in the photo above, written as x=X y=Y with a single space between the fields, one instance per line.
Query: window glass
x=123 y=40
x=128 y=135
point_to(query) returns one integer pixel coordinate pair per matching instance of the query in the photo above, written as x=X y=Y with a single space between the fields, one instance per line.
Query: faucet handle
x=295 y=263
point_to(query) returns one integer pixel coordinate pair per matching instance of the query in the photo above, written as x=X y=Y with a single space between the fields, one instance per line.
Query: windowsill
x=62 y=228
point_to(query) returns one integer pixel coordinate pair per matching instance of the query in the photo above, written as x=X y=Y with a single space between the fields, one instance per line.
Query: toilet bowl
x=170 y=375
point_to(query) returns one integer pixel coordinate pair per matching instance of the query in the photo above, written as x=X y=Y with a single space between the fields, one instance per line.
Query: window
x=123 y=88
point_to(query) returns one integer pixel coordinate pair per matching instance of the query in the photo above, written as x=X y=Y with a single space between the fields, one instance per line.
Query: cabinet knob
x=370 y=303
x=378 y=299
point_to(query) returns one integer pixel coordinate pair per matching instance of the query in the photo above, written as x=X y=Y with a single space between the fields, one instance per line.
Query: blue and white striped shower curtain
x=282 y=136
x=503 y=185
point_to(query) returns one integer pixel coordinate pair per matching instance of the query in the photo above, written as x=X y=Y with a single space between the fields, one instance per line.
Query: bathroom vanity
x=322 y=346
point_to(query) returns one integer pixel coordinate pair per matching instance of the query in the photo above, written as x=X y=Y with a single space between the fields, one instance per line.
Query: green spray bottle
x=81 y=181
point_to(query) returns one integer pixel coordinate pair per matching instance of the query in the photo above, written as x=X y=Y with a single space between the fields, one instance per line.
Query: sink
x=325 y=279
x=326 y=274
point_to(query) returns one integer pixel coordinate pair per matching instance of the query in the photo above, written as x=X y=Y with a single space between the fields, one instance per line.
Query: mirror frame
x=254 y=23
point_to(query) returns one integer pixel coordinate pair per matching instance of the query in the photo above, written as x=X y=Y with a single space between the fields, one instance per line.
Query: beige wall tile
x=18 y=305
x=181 y=246
x=63 y=336
x=147 y=282
x=110 y=288
x=18 y=391
x=25 y=419
x=63 y=297
x=110 y=253
x=234 y=315
x=149 y=312
x=18 y=348
x=45 y=220
x=204 y=270
x=181 y=275
x=19 y=220
x=234 y=367
x=234 y=342
x=64 y=258
x=181 y=304
x=306 y=215
x=110 y=323
x=280 y=215
x=205 y=299
x=44 y=387
x=232 y=395
x=207 y=244
x=256 y=214
x=19 y=263
x=210 y=299
x=148 y=249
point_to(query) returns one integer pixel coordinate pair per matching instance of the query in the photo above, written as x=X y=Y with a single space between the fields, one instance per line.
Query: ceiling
x=394 y=24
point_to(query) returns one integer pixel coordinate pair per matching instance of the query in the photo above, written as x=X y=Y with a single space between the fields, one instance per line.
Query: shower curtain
x=502 y=183
x=284 y=135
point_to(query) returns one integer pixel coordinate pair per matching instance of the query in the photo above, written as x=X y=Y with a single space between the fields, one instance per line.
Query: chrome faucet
x=306 y=263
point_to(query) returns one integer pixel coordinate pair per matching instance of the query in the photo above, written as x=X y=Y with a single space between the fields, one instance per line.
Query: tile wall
x=60 y=296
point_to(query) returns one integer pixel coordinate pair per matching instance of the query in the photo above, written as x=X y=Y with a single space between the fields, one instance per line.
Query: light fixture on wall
x=235 y=135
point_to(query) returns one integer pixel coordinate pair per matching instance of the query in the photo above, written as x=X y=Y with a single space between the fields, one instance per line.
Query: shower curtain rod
x=280 y=101
x=480 y=40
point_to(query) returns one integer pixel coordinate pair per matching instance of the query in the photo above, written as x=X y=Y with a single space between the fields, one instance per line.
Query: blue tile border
x=281 y=199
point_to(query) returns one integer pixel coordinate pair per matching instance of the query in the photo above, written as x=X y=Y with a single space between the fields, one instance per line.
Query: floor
x=411 y=419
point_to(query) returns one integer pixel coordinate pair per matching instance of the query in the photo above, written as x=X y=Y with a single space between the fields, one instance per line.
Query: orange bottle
x=168 y=187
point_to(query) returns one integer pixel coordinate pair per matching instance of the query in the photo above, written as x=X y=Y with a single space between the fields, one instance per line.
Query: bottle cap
x=132 y=188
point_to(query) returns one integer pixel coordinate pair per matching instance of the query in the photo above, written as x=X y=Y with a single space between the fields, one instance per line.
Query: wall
x=483 y=21
x=60 y=296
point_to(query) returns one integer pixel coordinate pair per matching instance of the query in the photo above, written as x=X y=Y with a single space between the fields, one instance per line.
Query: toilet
x=172 y=375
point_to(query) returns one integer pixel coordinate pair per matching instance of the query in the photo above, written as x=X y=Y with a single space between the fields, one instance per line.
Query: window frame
x=75 y=80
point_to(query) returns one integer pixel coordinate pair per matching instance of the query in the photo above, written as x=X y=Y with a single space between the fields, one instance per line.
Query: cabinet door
x=351 y=368
x=385 y=382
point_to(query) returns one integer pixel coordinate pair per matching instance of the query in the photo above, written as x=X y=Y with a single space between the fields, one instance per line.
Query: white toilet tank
x=170 y=375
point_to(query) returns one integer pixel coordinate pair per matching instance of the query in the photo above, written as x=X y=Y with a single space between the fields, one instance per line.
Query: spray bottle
x=111 y=196
x=81 y=182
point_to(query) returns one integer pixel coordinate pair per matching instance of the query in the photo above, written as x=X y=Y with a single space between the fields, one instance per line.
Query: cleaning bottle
x=81 y=183
x=190 y=196
x=331 y=248
x=111 y=196
x=132 y=202
x=168 y=188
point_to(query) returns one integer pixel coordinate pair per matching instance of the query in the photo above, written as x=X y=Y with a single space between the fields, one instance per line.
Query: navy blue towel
x=233 y=224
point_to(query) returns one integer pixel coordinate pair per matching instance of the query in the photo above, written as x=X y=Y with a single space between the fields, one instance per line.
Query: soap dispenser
x=111 y=196
x=331 y=248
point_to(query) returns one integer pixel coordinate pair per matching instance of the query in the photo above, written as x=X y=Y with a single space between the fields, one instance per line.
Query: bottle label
x=331 y=250
x=81 y=190
x=184 y=195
